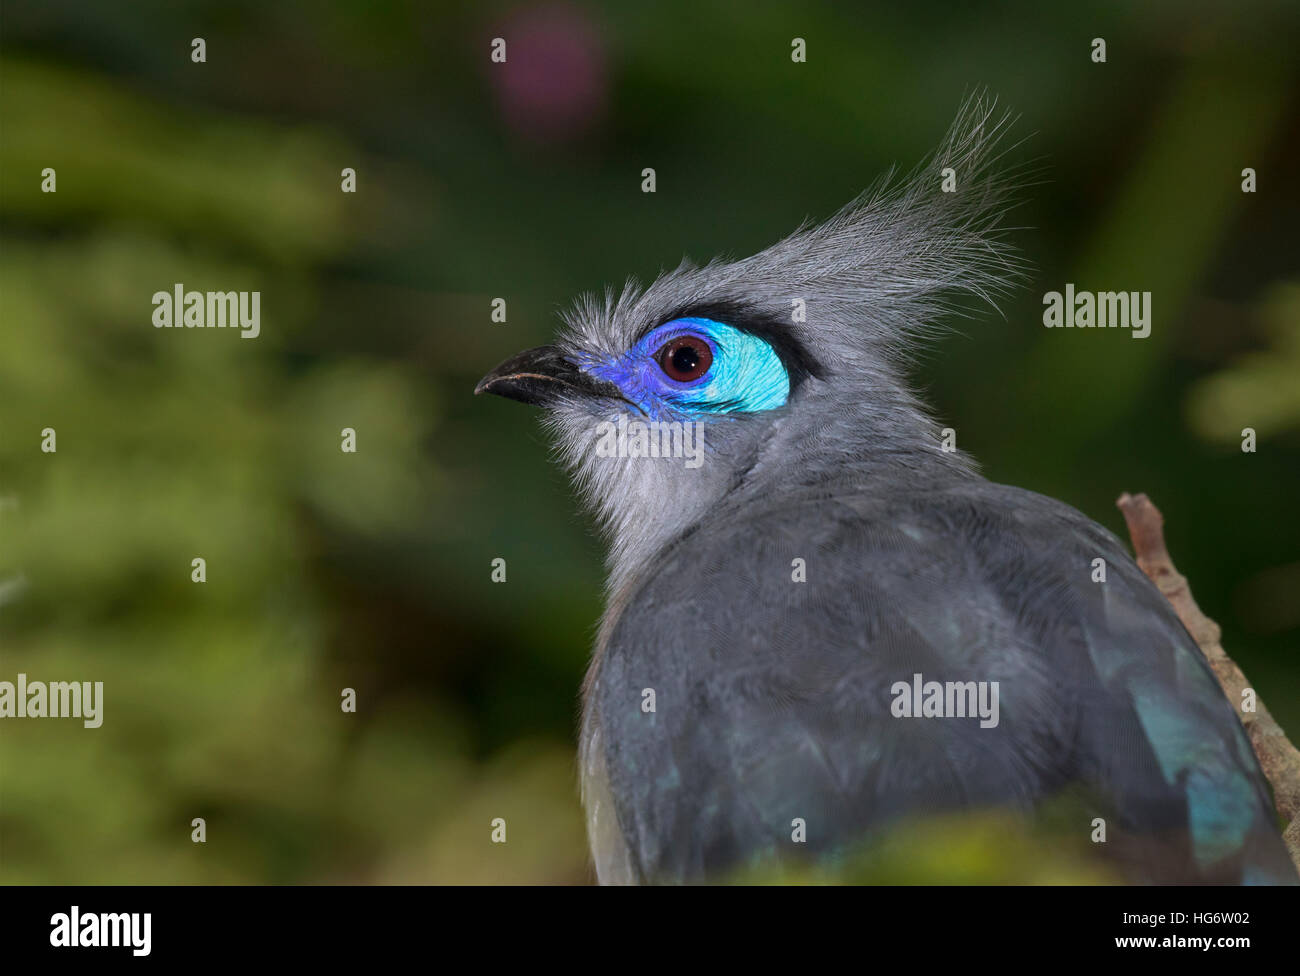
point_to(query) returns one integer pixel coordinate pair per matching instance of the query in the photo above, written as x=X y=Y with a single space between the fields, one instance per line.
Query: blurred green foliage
x=979 y=848
x=371 y=571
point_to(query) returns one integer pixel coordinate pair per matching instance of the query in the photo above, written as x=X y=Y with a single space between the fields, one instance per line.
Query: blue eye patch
x=699 y=365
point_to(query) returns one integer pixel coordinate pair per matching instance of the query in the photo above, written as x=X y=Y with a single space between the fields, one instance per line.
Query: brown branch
x=1277 y=756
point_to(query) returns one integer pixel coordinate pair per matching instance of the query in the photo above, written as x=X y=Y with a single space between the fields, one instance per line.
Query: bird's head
x=738 y=380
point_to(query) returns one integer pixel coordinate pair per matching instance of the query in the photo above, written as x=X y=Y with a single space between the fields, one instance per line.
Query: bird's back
x=775 y=641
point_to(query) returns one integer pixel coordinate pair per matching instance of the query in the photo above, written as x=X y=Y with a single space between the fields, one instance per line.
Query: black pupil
x=685 y=359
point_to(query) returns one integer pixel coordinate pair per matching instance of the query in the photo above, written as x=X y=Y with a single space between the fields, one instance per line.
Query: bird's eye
x=685 y=358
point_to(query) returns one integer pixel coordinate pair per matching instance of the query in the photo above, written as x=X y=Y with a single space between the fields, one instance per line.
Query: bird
x=786 y=619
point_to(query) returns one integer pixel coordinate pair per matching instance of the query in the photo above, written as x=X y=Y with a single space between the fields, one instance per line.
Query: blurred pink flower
x=553 y=84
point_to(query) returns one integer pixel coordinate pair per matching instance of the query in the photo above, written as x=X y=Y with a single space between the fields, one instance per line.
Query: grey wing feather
x=773 y=697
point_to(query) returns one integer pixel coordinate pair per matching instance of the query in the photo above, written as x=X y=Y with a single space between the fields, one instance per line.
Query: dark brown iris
x=685 y=358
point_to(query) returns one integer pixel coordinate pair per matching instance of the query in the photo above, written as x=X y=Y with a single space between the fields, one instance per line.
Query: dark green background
x=371 y=571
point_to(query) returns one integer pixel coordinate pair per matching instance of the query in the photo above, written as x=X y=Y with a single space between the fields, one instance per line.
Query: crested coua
x=831 y=623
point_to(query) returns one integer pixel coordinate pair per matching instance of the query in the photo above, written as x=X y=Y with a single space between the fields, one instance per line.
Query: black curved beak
x=541 y=376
